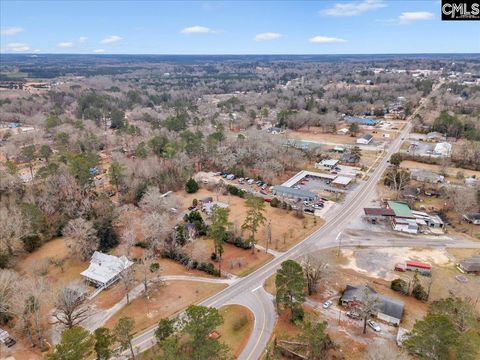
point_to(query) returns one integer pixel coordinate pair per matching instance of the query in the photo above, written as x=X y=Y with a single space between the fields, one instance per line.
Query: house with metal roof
x=360 y=121
x=291 y=193
x=328 y=163
x=401 y=209
x=365 y=139
x=104 y=269
x=427 y=176
x=389 y=309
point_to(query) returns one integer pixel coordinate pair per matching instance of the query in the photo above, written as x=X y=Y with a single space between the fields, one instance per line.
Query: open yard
x=164 y=301
x=450 y=171
x=237 y=327
x=234 y=260
x=287 y=229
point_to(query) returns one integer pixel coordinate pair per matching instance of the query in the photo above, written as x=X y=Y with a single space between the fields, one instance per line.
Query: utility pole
x=339 y=239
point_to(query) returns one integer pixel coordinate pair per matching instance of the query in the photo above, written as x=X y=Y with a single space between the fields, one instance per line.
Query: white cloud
x=408 y=17
x=65 y=45
x=8 y=31
x=326 y=40
x=197 y=30
x=18 y=47
x=82 y=39
x=267 y=36
x=111 y=39
x=353 y=8
x=99 y=51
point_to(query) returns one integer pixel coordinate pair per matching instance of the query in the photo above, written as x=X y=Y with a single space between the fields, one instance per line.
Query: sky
x=233 y=27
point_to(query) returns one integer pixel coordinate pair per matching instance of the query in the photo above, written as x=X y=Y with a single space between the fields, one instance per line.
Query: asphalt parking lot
x=319 y=185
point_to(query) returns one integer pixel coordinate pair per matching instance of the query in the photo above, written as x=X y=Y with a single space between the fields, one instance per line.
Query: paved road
x=248 y=290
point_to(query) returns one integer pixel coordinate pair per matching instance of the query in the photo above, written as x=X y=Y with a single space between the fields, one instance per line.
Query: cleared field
x=164 y=301
x=234 y=260
x=237 y=327
x=451 y=171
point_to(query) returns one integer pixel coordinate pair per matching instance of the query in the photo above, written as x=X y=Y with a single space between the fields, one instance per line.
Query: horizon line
x=245 y=54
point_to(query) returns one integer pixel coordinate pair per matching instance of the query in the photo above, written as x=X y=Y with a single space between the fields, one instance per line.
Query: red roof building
x=418 y=264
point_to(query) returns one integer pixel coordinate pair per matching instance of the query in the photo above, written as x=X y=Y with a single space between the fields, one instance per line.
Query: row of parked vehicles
x=250 y=181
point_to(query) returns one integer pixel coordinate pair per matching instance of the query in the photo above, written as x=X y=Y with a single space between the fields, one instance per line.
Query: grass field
x=237 y=327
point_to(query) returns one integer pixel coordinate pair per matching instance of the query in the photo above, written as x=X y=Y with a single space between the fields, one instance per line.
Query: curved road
x=249 y=290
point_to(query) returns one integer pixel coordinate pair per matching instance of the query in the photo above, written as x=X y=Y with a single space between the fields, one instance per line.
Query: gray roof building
x=292 y=193
x=389 y=309
x=471 y=264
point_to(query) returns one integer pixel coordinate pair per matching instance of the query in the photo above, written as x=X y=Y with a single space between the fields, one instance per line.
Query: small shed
x=470 y=265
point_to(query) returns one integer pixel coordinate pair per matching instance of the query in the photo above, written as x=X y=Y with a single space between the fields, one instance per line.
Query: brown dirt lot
x=39 y=261
x=164 y=301
x=317 y=134
x=287 y=230
x=234 y=260
x=232 y=332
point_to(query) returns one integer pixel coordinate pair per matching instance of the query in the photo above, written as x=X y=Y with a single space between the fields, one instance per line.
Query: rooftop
x=400 y=209
x=104 y=268
x=292 y=191
x=387 y=305
x=342 y=180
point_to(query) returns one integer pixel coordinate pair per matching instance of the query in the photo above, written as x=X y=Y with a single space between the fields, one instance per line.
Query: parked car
x=230 y=177
x=217 y=174
x=267 y=200
x=309 y=210
x=250 y=181
x=264 y=186
x=327 y=304
x=353 y=315
x=241 y=180
x=318 y=206
x=374 y=325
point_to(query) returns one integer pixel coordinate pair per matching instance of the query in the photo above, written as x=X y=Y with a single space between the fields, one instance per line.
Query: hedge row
x=236 y=191
x=185 y=260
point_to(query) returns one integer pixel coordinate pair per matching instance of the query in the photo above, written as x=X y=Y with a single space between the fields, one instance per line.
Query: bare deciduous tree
x=154 y=201
x=70 y=308
x=315 y=269
x=127 y=278
x=8 y=287
x=82 y=236
x=155 y=228
x=13 y=226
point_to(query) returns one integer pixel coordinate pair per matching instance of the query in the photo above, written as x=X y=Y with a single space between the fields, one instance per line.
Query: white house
x=443 y=149
x=343 y=131
x=365 y=139
x=328 y=163
x=105 y=269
